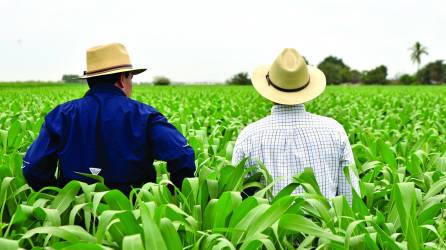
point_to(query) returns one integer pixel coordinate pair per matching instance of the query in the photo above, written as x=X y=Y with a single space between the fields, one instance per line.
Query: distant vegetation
x=377 y=75
x=241 y=78
x=161 y=81
x=338 y=72
x=335 y=70
x=432 y=73
x=71 y=78
x=417 y=51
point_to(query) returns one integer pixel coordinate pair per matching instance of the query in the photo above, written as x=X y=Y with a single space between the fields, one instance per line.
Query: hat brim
x=315 y=87
x=133 y=71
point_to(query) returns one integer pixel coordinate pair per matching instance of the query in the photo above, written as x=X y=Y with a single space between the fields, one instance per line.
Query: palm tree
x=417 y=51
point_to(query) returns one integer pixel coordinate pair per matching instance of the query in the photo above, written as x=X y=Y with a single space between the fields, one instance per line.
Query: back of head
x=105 y=79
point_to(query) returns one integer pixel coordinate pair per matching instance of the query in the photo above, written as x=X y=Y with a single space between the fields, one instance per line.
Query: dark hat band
x=270 y=83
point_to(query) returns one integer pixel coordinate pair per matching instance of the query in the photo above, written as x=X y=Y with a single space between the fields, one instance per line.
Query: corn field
x=398 y=135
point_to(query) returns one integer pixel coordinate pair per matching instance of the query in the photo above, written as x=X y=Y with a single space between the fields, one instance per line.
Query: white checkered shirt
x=291 y=139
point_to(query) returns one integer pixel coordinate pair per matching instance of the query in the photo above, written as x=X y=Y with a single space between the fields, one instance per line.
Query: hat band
x=270 y=83
x=107 y=69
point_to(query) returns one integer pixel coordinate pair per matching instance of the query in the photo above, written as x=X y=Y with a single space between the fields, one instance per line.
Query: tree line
x=337 y=72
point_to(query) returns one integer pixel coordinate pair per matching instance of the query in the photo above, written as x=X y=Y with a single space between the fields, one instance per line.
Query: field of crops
x=398 y=135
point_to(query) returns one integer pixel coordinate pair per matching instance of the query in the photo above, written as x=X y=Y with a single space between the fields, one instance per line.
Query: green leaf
x=308 y=181
x=170 y=235
x=271 y=216
x=13 y=134
x=97 y=178
x=4 y=139
x=132 y=242
x=299 y=224
x=405 y=200
x=289 y=189
x=227 y=202
x=387 y=155
x=69 y=233
x=246 y=222
x=7 y=244
x=105 y=222
x=65 y=197
x=153 y=238
x=437 y=187
x=117 y=200
x=51 y=216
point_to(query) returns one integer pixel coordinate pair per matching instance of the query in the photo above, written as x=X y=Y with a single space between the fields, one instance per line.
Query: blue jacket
x=109 y=134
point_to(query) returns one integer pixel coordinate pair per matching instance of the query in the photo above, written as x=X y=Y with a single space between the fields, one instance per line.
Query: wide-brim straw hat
x=289 y=80
x=109 y=59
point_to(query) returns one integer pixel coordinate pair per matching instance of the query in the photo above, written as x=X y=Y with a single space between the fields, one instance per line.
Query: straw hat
x=108 y=59
x=289 y=80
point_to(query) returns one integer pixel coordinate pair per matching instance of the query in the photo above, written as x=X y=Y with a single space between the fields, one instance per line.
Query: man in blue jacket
x=106 y=133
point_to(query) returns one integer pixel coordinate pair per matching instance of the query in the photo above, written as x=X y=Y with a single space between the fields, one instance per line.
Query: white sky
x=199 y=41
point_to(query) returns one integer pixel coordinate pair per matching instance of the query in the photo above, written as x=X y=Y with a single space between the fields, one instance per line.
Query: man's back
x=291 y=139
x=108 y=134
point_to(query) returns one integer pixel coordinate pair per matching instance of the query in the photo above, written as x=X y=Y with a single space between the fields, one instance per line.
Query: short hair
x=106 y=79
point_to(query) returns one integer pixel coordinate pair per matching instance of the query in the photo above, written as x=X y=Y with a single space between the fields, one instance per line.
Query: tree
x=377 y=75
x=71 y=78
x=239 y=79
x=161 y=81
x=432 y=73
x=417 y=51
x=335 y=70
x=407 y=79
x=356 y=76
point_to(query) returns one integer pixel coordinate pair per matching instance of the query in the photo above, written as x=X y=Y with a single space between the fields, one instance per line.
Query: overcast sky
x=201 y=41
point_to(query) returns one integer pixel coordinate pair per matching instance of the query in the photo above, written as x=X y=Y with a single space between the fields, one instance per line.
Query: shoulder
x=56 y=118
x=147 y=111
x=327 y=122
x=142 y=107
x=332 y=126
x=253 y=129
x=63 y=109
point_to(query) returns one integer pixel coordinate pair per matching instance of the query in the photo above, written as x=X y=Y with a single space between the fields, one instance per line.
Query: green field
x=398 y=135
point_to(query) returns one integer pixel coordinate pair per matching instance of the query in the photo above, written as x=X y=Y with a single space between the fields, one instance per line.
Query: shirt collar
x=104 y=88
x=279 y=109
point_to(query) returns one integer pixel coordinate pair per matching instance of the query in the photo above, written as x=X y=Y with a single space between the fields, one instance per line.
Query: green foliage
x=432 y=73
x=397 y=136
x=417 y=51
x=377 y=75
x=407 y=79
x=335 y=70
x=72 y=79
x=161 y=81
x=241 y=78
x=356 y=76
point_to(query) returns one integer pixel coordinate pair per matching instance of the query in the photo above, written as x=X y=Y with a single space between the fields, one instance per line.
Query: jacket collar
x=105 y=88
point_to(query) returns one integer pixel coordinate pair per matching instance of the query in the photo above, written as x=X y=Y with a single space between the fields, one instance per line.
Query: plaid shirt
x=291 y=139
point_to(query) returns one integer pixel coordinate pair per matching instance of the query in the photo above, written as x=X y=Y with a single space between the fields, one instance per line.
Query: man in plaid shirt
x=291 y=138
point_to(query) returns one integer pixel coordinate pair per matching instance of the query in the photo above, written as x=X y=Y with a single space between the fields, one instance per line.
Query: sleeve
x=242 y=148
x=169 y=145
x=40 y=161
x=346 y=159
x=237 y=154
